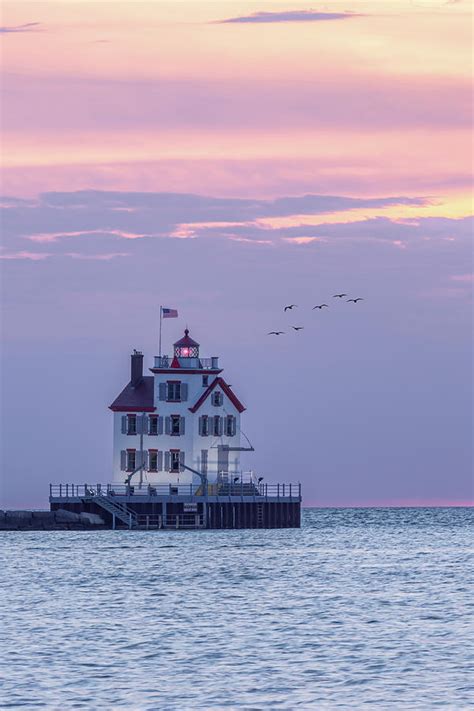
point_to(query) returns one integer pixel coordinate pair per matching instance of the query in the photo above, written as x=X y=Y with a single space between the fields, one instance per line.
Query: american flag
x=169 y=313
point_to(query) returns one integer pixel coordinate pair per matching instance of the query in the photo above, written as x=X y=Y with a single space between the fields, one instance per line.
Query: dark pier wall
x=221 y=515
x=267 y=514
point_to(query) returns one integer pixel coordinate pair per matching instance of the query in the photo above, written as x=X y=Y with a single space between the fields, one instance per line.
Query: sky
x=227 y=159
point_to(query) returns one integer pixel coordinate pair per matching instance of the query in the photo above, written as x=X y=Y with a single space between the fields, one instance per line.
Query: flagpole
x=161 y=320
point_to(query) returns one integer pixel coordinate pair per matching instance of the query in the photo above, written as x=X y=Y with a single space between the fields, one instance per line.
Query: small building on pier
x=176 y=454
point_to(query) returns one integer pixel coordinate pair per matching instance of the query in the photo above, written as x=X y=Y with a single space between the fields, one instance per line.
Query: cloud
x=32 y=256
x=40 y=256
x=465 y=278
x=90 y=220
x=287 y=16
x=54 y=236
x=99 y=257
x=27 y=27
x=91 y=224
x=63 y=105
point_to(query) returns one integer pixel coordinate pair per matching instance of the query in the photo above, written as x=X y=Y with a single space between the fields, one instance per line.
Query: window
x=131 y=424
x=230 y=425
x=153 y=460
x=217 y=426
x=174 y=391
x=205 y=381
x=175 y=425
x=131 y=460
x=153 y=425
x=174 y=465
x=217 y=399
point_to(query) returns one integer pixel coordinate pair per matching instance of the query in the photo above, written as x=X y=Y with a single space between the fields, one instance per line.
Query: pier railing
x=171 y=521
x=239 y=489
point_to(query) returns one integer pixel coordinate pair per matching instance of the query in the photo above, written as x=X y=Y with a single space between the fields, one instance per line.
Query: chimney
x=136 y=375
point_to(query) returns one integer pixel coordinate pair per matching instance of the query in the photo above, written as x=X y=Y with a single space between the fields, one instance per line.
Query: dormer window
x=217 y=399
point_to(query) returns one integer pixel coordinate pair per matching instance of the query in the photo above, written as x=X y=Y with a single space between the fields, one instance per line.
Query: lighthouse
x=176 y=455
x=178 y=423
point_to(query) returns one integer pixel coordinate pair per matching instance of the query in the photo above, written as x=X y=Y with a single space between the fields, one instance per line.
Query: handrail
x=114 y=492
x=182 y=520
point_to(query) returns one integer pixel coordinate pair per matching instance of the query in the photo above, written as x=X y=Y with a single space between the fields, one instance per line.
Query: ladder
x=260 y=515
x=120 y=511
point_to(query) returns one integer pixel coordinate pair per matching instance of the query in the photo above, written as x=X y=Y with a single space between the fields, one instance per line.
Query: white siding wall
x=191 y=442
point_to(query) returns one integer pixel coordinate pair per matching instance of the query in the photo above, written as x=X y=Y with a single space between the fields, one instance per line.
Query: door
x=223 y=462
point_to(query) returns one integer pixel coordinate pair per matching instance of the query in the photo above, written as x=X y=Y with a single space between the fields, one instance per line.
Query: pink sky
x=160 y=96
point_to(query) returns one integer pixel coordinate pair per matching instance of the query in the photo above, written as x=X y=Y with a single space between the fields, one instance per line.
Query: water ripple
x=361 y=607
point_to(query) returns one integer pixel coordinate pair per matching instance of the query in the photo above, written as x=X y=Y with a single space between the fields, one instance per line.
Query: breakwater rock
x=59 y=520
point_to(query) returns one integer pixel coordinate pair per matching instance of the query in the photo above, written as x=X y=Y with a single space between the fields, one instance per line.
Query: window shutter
x=181 y=425
x=160 y=425
x=167 y=425
x=184 y=392
x=142 y=424
x=124 y=424
x=234 y=426
x=123 y=460
x=203 y=461
x=181 y=461
x=167 y=461
x=162 y=391
x=201 y=428
x=160 y=461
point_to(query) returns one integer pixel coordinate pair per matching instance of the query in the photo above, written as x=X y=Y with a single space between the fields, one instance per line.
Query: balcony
x=164 y=362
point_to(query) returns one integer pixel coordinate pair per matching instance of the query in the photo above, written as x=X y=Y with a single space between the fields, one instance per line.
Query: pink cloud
x=33 y=256
x=97 y=257
x=54 y=236
x=468 y=278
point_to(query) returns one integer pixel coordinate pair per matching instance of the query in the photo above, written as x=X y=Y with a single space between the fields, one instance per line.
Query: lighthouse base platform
x=183 y=507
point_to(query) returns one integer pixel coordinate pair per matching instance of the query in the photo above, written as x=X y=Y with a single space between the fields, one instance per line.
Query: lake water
x=360 y=608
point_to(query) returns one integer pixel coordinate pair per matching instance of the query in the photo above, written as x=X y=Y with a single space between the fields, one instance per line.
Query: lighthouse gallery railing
x=239 y=489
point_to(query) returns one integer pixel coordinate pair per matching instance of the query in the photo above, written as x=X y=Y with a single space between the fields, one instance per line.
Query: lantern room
x=186 y=347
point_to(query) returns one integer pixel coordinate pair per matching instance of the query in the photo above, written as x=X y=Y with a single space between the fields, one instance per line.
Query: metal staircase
x=120 y=511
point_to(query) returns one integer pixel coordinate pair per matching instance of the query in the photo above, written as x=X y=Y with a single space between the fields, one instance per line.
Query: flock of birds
x=290 y=307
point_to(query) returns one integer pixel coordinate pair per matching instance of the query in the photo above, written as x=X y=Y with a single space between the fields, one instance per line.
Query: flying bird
x=275 y=333
x=359 y=298
x=339 y=296
x=320 y=306
x=292 y=306
x=298 y=328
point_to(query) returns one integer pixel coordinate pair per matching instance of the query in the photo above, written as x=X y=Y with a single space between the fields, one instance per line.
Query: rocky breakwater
x=59 y=520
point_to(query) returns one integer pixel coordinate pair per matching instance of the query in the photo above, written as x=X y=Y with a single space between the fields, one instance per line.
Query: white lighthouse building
x=181 y=418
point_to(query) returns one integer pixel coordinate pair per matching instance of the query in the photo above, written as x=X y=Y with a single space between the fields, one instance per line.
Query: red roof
x=225 y=389
x=138 y=399
x=186 y=341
